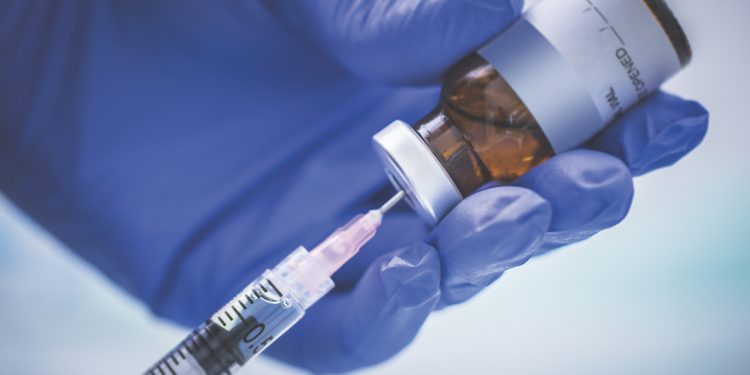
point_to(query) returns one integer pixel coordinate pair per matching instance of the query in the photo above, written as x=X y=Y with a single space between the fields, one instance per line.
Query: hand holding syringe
x=271 y=304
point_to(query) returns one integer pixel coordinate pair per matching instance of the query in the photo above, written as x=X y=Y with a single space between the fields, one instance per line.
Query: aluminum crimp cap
x=413 y=168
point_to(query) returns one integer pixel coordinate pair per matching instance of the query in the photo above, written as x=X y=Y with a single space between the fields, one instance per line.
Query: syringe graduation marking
x=258 y=291
x=238 y=314
x=164 y=363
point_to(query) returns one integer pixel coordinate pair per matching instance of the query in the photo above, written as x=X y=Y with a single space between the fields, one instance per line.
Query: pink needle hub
x=346 y=241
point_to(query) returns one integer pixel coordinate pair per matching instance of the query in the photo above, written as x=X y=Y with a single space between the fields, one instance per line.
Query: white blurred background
x=667 y=291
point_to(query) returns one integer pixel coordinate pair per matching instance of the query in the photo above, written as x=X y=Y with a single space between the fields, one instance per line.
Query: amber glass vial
x=485 y=126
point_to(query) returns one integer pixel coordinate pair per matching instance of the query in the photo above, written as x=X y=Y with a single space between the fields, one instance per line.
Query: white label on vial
x=578 y=64
x=617 y=47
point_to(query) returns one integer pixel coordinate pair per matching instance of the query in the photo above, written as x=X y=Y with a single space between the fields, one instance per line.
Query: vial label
x=617 y=47
x=578 y=64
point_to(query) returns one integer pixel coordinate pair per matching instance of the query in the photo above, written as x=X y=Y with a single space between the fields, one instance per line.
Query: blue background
x=666 y=291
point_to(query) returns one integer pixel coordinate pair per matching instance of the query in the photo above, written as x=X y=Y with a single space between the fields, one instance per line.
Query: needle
x=392 y=202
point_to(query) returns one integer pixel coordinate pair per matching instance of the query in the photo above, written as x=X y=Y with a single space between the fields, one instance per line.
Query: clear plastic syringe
x=271 y=304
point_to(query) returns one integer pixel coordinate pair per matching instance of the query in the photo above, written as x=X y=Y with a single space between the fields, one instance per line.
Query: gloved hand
x=182 y=150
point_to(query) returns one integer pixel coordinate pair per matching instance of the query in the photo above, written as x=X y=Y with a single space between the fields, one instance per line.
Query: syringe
x=271 y=304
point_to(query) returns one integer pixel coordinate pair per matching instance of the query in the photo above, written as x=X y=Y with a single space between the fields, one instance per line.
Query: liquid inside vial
x=481 y=130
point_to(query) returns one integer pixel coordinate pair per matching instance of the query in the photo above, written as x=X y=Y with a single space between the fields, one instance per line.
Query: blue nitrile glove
x=184 y=148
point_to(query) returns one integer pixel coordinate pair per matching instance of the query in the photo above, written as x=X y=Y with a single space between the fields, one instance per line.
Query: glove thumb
x=399 y=41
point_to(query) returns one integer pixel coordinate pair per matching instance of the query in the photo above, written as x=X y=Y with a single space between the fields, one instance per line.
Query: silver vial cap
x=413 y=168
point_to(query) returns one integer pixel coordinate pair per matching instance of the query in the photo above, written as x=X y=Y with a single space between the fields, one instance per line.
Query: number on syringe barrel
x=250 y=322
x=253 y=335
x=261 y=314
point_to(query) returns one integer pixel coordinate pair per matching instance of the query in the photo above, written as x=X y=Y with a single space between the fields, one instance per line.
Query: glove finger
x=486 y=234
x=371 y=322
x=399 y=41
x=656 y=133
x=589 y=191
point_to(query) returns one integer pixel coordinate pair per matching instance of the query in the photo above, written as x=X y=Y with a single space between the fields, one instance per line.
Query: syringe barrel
x=251 y=321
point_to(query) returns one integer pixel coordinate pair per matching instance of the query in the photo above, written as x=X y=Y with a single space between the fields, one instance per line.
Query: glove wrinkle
x=490 y=232
x=588 y=190
x=410 y=280
x=666 y=146
x=655 y=133
x=512 y=6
